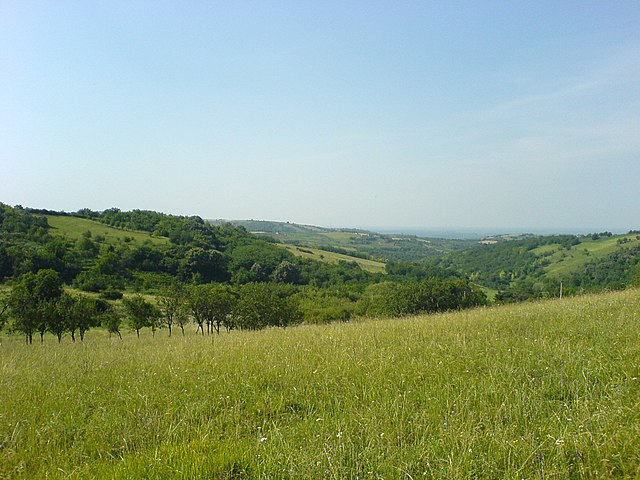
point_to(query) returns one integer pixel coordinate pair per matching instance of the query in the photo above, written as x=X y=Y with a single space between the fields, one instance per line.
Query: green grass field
x=74 y=227
x=537 y=391
x=331 y=257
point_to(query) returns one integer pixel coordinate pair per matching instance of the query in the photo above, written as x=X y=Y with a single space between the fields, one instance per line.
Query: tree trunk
x=182 y=328
x=169 y=325
x=138 y=332
x=73 y=336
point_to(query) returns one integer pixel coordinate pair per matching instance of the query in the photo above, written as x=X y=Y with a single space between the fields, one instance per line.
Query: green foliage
x=94 y=281
x=428 y=296
x=210 y=305
x=174 y=306
x=255 y=261
x=265 y=305
x=82 y=314
x=141 y=313
x=203 y=265
x=31 y=301
x=287 y=272
x=319 y=305
x=111 y=320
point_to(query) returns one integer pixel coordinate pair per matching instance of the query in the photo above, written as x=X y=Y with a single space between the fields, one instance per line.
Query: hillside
x=538 y=390
x=563 y=261
x=144 y=254
x=535 y=265
x=76 y=227
x=354 y=241
x=332 y=257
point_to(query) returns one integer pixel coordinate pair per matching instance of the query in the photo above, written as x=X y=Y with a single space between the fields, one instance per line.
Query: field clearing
x=539 y=390
x=74 y=227
x=331 y=257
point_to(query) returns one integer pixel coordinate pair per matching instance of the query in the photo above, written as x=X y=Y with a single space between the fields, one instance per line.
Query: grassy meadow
x=531 y=391
x=75 y=227
x=372 y=266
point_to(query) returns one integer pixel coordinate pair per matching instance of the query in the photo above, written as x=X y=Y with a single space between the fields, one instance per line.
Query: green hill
x=563 y=261
x=354 y=241
x=538 y=390
x=535 y=265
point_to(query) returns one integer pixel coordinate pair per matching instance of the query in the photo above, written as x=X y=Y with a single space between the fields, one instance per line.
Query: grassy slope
x=330 y=257
x=74 y=227
x=565 y=261
x=541 y=390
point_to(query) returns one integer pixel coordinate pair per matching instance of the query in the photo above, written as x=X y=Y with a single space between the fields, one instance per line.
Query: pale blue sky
x=347 y=113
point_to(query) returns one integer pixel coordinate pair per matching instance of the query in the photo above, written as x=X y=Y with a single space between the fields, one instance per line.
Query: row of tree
x=38 y=304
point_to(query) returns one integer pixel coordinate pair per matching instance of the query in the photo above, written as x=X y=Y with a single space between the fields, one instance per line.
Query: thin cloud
x=623 y=68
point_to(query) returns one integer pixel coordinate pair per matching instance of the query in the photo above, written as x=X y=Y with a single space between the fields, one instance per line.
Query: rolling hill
x=354 y=242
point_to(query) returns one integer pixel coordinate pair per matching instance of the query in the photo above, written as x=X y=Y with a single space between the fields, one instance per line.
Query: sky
x=422 y=114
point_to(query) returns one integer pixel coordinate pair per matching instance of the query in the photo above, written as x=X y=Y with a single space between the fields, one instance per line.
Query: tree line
x=38 y=304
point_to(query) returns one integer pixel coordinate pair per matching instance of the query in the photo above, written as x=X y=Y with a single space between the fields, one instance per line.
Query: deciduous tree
x=141 y=313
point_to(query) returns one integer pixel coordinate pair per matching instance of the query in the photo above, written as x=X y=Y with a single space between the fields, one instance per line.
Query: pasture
x=539 y=390
x=372 y=266
x=75 y=227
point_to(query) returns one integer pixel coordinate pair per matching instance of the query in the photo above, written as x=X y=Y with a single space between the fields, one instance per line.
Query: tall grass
x=542 y=390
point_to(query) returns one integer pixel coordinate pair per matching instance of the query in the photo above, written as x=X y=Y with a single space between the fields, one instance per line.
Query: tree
x=222 y=300
x=83 y=315
x=4 y=306
x=141 y=313
x=32 y=299
x=210 y=304
x=172 y=304
x=24 y=311
x=203 y=265
x=111 y=320
x=263 y=304
x=380 y=299
x=287 y=272
x=55 y=315
x=428 y=296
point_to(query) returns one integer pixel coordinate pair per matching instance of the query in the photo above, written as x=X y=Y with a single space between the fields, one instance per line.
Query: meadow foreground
x=541 y=390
